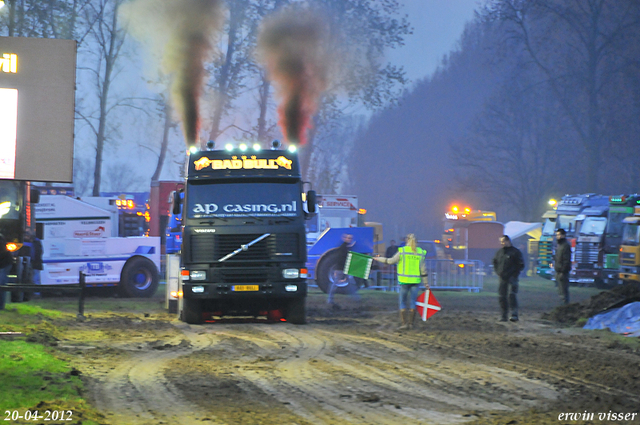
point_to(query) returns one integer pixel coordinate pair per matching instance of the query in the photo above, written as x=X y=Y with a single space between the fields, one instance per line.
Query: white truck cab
x=79 y=236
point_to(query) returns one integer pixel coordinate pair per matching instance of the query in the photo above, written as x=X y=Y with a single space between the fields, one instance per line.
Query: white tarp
x=515 y=229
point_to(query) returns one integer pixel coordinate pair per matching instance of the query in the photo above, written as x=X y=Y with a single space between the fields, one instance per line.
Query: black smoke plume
x=181 y=35
x=292 y=44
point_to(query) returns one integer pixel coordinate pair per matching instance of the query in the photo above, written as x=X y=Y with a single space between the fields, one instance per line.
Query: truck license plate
x=239 y=288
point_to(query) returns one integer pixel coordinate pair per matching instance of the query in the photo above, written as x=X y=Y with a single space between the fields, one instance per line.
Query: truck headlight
x=197 y=289
x=291 y=288
x=197 y=275
x=290 y=273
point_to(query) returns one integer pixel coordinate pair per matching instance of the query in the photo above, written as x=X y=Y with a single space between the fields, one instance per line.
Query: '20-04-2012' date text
x=35 y=415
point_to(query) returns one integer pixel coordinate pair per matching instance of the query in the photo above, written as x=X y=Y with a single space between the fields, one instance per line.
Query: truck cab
x=570 y=217
x=333 y=211
x=81 y=235
x=545 y=245
x=243 y=235
x=17 y=224
x=630 y=248
x=589 y=246
x=598 y=249
x=472 y=234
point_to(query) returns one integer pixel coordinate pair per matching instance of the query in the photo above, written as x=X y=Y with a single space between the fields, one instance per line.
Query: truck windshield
x=568 y=223
x=631 y=235
x=593 y=226
x=243 y=199
x=615 y=224
x=549 y=228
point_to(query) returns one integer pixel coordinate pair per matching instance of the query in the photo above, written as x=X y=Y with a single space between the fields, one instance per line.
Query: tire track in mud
x=136 y=391
x=447 y=377
x=332 y=377
x=595 y=386
x=318 y=374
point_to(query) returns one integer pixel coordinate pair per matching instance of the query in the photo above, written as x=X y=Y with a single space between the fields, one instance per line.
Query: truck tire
x=191 y=311
x=361 y=283
x=601 y=284
x=296 y=312
x=17 y=296
x=139 y=278
x=327 y=265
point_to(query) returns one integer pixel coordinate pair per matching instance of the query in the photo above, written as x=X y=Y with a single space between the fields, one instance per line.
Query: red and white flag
x=427 y=305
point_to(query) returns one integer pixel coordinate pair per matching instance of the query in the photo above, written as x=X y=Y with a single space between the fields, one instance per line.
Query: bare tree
x=81 y=169
x=164 y=144
x=576 y=45
x=361 y=32
x=511 y=152
x=328 y=173
x=264 y=130
x=105 y=43
x=42 y=18
x=234 y=62
x=120 y=177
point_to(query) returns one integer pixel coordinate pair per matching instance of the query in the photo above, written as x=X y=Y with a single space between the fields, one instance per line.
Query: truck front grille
x=243 y=276
x=628 y=258
x=209 y=248
x=586 y=254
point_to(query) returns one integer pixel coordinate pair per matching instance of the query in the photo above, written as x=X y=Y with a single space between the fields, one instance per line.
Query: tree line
x=124 y=105
x=539 y=98
x=564 y=115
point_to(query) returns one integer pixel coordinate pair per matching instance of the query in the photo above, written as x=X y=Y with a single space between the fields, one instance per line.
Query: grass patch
x=614 y=340
x=102 y=300
x=35 y=310
x=29 y=375
x=33 y=378
x=28 y=318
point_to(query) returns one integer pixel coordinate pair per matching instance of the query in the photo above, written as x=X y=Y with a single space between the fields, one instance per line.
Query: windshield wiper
x=244 y=247
x=250 y=216
x=212 y=222
x=289 y=219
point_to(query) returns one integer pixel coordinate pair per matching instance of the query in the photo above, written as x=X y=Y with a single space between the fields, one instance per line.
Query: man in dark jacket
x=562 y=265
x=507 y=264
x=391 y=249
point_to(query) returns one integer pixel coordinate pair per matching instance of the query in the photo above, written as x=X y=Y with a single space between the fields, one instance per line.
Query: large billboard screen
x=37 y=101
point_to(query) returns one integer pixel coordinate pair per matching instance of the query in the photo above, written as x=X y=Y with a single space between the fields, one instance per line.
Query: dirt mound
x=616 y=297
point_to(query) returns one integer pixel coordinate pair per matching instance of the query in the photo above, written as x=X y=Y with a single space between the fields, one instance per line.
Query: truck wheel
x=361 y=283
x=601 y=284
x=17 y=296
x=297 y=311
x=325 y=274
x=191 y=311
x=139 y=278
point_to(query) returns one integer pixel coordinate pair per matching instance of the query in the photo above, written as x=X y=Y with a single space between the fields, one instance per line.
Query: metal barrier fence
x=443 y=274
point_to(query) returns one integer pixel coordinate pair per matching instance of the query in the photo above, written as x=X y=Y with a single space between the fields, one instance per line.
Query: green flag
x=358 y=265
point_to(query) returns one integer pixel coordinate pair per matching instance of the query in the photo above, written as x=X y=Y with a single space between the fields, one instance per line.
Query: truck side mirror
x=34 y=196
x=312 y=201
x=176 y=203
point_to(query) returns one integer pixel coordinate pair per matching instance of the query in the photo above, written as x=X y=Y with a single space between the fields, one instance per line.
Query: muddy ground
x=350 y=365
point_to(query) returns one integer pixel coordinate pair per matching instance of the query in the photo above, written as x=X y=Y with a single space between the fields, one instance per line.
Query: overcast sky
x=437 y=26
